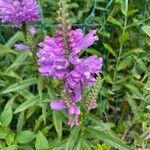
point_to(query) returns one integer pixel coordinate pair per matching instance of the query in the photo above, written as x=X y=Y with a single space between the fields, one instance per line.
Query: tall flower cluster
x=18 y=12
x=58 y=57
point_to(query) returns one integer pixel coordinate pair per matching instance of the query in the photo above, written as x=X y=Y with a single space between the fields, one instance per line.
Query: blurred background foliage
x=122 y=118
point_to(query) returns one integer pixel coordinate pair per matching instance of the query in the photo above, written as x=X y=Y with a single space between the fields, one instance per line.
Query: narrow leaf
x=124 y=63
x=7 y=114
x=124 y=7
x=17 y=37
x=146 y=29
x=20 y=85
x=109 y=138
x=57 y=123
x=110 y=49
x=27 y=104
x=19 y=60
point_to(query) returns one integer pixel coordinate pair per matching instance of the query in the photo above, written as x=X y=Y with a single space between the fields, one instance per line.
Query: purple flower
x=19 y=11
x=73 y=111
x=32 y=30
x=82 y=75
x=57 y=105
x=51 y=59
x=73 y=85
x=21 y=46
x=79 y=42
x=54 y=61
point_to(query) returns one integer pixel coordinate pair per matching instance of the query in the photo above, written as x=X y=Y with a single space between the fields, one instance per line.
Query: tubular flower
x=58 y=57
x=76 y=72
x=18 y=12
x=21 y=46
x=51 y=59
x=73 y=110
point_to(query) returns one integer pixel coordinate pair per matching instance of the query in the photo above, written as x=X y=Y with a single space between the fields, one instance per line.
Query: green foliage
x=41 y=142
x=122 y=117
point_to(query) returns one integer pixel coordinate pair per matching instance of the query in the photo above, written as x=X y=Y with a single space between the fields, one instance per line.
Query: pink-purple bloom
x=32 y=30
x=18 y=12
x=58 y=104
x=73 y=110
x=75 y=71
x=21 y=46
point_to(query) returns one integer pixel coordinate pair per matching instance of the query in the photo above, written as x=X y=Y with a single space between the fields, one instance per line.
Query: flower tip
x=57 y=105
x=32 y=30
x=21 y=46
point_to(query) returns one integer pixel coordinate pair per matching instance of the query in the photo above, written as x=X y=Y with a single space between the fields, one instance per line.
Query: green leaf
x=108 y=138
x=123 y=38
x=19 y=60
x=17 y=37
x=134 y=107
x=124 y=63
x=20 y=122
x=26 y=94
x=6 y=50
x=12 y=147
x=25 y=136
x=141 y=63
x=7 y=114
x=41 y=142
x=93 y=51
x=40 y=85
x=10 y=73
x=147 y=85
x=73 y=138
x=3 y=134
x=132 y=12
x=20 y=85
x=124 y=7
x=135 y=50
x=106 y=146
x=147 y=39
x=74 y=5
x=133 y=89
x=27 y=104
x=86 y=145
x=114 y=21
x=79 y=144
x=57 y=123
x=146 y=29
x=104 y=34
x=110 y=49
x=10 y=138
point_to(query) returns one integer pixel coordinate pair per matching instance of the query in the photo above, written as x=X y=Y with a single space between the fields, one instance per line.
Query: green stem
x=29 y=40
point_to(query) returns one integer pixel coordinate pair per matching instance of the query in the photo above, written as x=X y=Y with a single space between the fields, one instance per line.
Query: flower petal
x=21 y=46
x=87 y=41
x=57 y=105
x=32 y=30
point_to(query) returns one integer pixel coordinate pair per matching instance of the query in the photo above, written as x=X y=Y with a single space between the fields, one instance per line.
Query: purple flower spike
x=58 y=57
x=18 y=12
